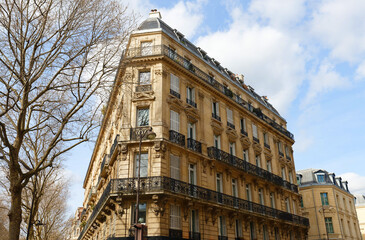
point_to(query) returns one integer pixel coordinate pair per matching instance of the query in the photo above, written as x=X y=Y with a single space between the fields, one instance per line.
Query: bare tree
x=54 y=57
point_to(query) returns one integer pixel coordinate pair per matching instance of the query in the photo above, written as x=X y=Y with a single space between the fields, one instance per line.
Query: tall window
x=190 y=94
x=174 y=83
x=192 y=174
x=290 y=177
x=248 y=192
x=222 y=226
x=219 y=183
x=294 y=207
x=254 y=131
x=232 y=148
x=215 y=110
x=280 y=147
x=320 y=178
x=266 y=139
x=261 y=196
x=175 y=217
x=146 y=48
x=191 y=130
x=287 y=152
x=243 y=125
x=268 y=166
x=272 y=200
x=144 y=78
x=217 y=141
x=234 y=188
x=144 y=164
x=174 y=166
x=174 y=121
x=287 y=205
x=258 y=160
x=245 y=155
x=230 y=116
x=324 y=198
x=194 y=221
x=329 y=225
x=252 y=231
x=141 y=213
x=265 y=232
x=238 y=229
x=283 y=175
x=143 y=117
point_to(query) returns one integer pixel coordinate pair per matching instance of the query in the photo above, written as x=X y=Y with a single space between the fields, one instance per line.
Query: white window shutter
x=174 y=121
x=174 y=84
x=175 y=166
x=229 y=116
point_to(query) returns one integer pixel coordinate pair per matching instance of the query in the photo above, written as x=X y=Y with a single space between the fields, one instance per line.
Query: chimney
x=333 y=178
x=155 y=14
x=346 y=185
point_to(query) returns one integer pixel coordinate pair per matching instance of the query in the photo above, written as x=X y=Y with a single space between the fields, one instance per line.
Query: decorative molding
x=232 y=134
x=143 y=96
x=158 y=206
x=217 y=126
x=245 y=141
x=257 y=147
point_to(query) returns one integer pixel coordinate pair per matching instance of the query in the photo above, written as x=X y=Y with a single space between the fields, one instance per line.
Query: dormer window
x=320 y=178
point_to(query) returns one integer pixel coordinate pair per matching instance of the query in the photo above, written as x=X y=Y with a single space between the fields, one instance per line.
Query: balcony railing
x=175 y=234
x=243 y=132
x=161 y=184
x=231 y=125
x=222 y=238
x=170 y=53
x=134 y=135
x=176 y=94
x=177 y=138
x=267 y=145
x=194 y=145
x=215 y=116
x=144 y=88
x=194 y=236
x=288 y=158
x=236 y=162
x=281 y=154
x=191 y=102
x=256 y=139
x=115 y=143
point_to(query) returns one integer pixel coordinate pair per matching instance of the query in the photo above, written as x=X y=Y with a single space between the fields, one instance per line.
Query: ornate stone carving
x=160 y=148
x=217 y=126
x=245 y=141
x=158 y=206
x=143 y=96
x=177 y=102
x=232 y=134
x=257 y=147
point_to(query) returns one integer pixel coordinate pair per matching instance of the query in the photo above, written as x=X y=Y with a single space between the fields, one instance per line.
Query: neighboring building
x=329 y=205
x=360 y=209
x=221 y=165
x=77 y=223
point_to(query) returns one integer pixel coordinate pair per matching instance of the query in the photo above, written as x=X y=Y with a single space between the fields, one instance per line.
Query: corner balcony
x=177 y=138
x=236 y=162
x=163 y=185
x=194 y=145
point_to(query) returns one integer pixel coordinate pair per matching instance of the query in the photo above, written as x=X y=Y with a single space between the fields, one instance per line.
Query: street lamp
x=150 y=135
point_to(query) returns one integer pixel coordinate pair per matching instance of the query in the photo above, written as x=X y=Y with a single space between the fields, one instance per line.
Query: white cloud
x=280 y=13
x=324 y=80
x=355 y=182
x=272 y=62
x=360 y=71
x=339 y=25
x=184 y=16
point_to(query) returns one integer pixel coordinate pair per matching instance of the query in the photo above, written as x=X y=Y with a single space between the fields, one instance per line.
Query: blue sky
x=308 y=57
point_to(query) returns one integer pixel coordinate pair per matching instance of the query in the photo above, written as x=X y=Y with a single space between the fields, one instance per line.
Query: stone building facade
x=329 y=205
x=221 y=165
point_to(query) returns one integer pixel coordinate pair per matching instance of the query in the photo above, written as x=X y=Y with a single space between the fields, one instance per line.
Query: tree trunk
x=15 y=213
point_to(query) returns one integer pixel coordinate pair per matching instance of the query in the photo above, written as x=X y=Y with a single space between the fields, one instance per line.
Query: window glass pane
x=329 y=225
x=143 y=117
x=144 y=164
x=144 y=78
x=141 y=213
x=320 y=178
x=174 y=121
x=324 y=199
x=254 y=130
x=175 y=217
x=174 y=83
x=229 y=116
x=175 y=166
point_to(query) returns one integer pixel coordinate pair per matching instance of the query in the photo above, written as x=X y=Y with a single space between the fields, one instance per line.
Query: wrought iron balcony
x=231 y=125
x=194 y=145
x=236 y=162
x=127 y=186
x=115 y=143
x=144 y=88
x=104 y=165
x=134 y=133
x=191 y=102
x=256 y=139
x=171 y=54
x=194 y=236
x=243 y=132
x=176 y=94
x=177 y=138
x=281 y=154
x=215 y=116
x=288 y=158
x=267 y=145
x=175 y=234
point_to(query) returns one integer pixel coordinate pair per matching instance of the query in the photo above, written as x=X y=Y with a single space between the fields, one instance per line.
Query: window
x=174 y=121
x=248 y=192
x=175 y=84
x=194 y=221
x=217 y=141
x=287 y=205
x=232 y=148
x=283 y=175
x=324 y=199
x=266 y=139
x=320 y=178
x=143 y=117
x=243 y=125
x=290 y=177
x=191 y=131
x=252 y=231
x=146 y=48
x=287 y=152
x=245 y=155
x=294 y=207
x=280 y=147
x=268 y=166
x=261 y=196
x=190 y=94
x=141 y=213
x=277 y=235
x=174 y=166
x=215 y=110
x=258 y=160
x=238 y=229
x=144 y=78
x=272 y=200
x=254 y=131
x=175 y=217
x=329 y=225
x=301 y=202
x=265 y=232
x=192 y=174
x=144 y=164
x=230 y=116
x=234 y=188
x=219 y=183
x=222 y=226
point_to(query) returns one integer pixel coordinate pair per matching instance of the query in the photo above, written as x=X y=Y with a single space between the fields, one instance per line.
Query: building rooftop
x=359 y=200
x=155 y=23
x=311 y=176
